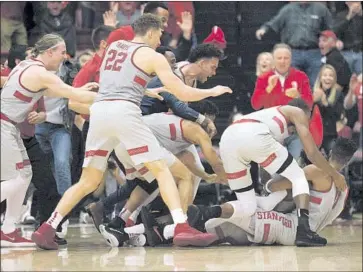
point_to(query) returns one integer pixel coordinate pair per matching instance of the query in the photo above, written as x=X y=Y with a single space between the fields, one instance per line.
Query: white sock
x=137 y=229
x=268 y=203
x=124 y=214
x=178 y=216
x=169 y=231
x=135 y=214
x=55 y=219
x=13 y=191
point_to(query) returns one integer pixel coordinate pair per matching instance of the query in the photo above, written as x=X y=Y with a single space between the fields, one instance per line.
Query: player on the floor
x=26 y=84
x=269 y=227
x=176 y=135
x=126 y=69
x=257 y=137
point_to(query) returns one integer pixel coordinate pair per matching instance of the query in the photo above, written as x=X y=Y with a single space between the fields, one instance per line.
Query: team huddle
x=158 y=152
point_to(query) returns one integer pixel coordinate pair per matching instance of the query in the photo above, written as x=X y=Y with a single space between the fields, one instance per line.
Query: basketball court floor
x=87 y=251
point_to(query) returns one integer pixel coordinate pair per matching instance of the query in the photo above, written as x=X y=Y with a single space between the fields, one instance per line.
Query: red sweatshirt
x=261 y=99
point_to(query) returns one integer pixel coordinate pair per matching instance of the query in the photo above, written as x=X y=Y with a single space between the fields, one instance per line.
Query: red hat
x=329 y=34
x=216 y=37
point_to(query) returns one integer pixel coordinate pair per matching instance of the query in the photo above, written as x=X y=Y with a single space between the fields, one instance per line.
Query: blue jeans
x=308 y=61
x=354 y=60
x=294 y=145
x=56 y=140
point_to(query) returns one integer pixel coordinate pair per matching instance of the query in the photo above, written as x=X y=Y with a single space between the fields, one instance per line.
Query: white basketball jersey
x=120 y=78
x=16 y=100
x=273 y=227
x=168 y=129
x=180 y=74
x=325 y=207
x=274 y=119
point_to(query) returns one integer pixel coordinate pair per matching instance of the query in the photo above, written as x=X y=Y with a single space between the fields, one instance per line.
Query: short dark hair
x=163 y=49
x=151 y=7
x=205 y=50
x=146 y=22
x=16 y=52
x=343 y=150
x=100 y=33
x=299 y=103
x=205 y=107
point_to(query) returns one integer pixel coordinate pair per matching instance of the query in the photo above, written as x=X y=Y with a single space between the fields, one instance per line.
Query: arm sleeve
x=259 y=94
x=179 y=108
x=277 y=22
x=340 y=24
x=84 y=76
x=183 y=49
x=327 y=20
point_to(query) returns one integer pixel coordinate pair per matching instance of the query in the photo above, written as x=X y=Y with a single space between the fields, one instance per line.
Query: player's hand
x=90 y=86
x=272 y=81
x=36 y=117
x=340 y=182
x=211 y=178
x=155 y=93
x=259 y=33
x=219 y=90
x=209 y=126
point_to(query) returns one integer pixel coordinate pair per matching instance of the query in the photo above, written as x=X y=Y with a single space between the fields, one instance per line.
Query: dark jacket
x=341 y=66
x=331 y=114
x=62 y=25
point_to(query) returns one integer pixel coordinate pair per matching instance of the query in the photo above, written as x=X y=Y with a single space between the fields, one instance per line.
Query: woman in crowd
x=330 y=102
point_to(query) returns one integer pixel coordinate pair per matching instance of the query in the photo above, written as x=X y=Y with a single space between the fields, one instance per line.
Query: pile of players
x=159 y=155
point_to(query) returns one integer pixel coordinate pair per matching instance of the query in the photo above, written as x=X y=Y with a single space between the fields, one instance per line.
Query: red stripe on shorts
x=130 y=171
x=138 y=150
x=266 y=232
x=237 y=175
x=172 y=128
x=99 y=152
x=22 y=97
x=21 y=165
x=280 y=123
x=143 y=170
x=269 y=160
x=140 y=81
x=315 y=200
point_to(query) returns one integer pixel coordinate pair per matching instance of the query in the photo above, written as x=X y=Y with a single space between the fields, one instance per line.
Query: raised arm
x=175 y=86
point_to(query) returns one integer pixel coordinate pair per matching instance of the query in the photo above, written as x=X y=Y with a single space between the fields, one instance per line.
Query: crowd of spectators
x=319 y=59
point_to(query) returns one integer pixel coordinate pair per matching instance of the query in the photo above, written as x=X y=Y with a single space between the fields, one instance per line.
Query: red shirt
x=125 y=33
x=261 y=99
x=5 y=71
x=316 y=126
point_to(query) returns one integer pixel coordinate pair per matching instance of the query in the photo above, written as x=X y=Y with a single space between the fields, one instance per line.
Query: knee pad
x=246 y=204
x=240 y=181
x=147 y=187
x=293 y=172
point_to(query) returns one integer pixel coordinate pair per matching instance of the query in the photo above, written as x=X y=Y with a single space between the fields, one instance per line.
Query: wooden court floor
x=87 y=251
